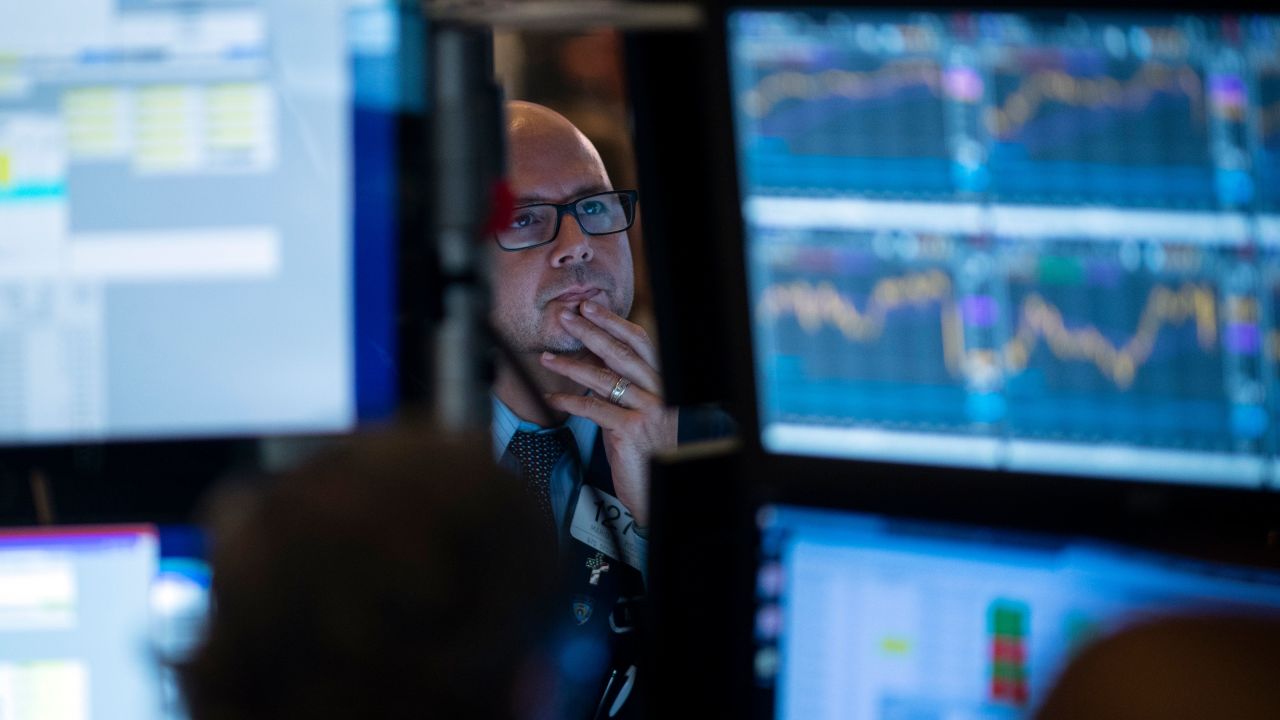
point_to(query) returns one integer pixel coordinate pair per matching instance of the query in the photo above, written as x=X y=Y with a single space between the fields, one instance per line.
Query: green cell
x=1061 y=271
x=1008 y=619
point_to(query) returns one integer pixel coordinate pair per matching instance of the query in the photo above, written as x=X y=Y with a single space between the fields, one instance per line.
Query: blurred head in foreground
x=1186 y=668
x=390 y=578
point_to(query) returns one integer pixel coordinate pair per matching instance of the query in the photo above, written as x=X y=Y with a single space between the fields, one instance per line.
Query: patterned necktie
x=537 y=453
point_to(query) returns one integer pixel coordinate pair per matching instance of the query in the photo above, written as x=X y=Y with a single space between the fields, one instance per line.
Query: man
x=562 y=289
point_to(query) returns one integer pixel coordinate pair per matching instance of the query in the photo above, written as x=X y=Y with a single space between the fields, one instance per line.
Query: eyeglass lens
x=596 y=214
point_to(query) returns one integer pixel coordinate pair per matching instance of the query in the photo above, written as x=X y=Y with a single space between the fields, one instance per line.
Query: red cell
x=1009 y=650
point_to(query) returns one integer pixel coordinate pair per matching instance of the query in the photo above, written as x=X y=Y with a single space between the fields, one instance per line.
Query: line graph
x=851 y=122
x=1041 y=321
x=1162 y=112
x=1118 y=132
x=818 y=305
x=1065 y=342
x=1107 y=92
x=892 y=78
x=1107 y=186
x=1120 y=346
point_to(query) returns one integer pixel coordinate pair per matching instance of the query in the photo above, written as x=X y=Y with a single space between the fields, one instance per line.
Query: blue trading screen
x=862 y=617
x=1035 y=242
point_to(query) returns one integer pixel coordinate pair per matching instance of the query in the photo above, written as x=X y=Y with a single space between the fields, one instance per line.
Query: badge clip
x=598 y=567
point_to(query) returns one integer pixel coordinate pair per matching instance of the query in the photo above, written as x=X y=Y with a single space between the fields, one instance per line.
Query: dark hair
x=1174 y=668
x=389 y=578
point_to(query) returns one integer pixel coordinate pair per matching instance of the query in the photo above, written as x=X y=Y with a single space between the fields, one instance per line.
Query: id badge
x=599 y=518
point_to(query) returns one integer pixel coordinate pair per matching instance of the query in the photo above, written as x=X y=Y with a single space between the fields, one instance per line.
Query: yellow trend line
x=1039 y=319
x=779 y=87
x=1058 y=86
x=815 y=306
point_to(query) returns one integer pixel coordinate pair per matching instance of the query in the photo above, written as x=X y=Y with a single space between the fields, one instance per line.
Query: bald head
x=541 y=144
x=532 y=120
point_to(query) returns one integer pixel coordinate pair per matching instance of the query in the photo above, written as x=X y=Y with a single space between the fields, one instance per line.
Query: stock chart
x=1078 y=126
x=862 y=332
x=849 y=118
x=1100 y=352
x=1046 y=242
x=1072 y=341
x=1151 y=114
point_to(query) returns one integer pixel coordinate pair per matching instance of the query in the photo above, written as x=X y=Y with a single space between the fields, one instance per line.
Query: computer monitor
x=866 y=616
x=87 y=614
x=197 y=217
x=1032 y=241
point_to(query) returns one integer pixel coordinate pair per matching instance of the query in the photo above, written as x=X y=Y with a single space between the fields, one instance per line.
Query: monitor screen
x=862 y=617
x=1036 y=242
x=190 y=207
x=86 y=615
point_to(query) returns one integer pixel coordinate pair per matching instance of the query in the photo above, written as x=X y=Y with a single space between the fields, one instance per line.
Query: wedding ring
x=619 y=388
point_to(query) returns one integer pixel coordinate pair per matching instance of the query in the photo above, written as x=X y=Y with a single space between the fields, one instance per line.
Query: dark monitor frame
x=738 y=351
x=704 y=540
x=703 y=610
x=1045 y=506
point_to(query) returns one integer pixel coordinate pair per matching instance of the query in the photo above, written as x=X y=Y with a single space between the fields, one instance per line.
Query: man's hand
x=639 y=424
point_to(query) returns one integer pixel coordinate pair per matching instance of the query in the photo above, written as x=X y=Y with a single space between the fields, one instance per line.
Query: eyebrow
x=580 y=191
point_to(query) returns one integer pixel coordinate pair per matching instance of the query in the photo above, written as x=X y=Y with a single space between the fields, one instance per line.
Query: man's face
x=532 y=287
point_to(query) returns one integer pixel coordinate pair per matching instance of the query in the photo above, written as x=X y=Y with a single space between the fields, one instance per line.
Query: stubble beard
x=536 y=330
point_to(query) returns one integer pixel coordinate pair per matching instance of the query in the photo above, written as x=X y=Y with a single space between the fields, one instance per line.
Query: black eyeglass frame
x=562 y=209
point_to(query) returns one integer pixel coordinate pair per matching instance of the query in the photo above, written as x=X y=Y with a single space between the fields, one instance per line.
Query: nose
x=571 y=245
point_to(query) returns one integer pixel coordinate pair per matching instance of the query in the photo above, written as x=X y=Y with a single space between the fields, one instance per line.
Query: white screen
x=864 y=618
x=74 y=634
x=175 y=221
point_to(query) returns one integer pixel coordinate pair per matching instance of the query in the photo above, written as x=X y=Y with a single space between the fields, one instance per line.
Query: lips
x=577 y=294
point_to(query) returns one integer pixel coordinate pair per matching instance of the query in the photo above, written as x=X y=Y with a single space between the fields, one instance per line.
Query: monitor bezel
x=1235 y=527
x=730 y=242
x=1034 y=508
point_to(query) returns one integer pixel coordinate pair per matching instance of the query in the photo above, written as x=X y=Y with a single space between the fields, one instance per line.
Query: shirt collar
x=506 y=423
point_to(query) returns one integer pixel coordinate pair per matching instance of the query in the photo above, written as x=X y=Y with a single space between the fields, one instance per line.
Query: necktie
x=537 y=454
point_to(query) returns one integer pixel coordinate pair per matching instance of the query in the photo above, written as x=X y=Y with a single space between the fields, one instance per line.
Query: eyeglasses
x=599 y=214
